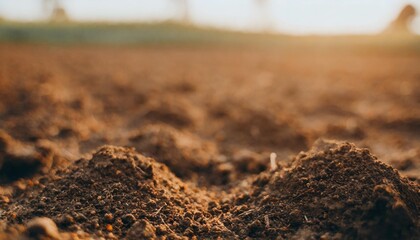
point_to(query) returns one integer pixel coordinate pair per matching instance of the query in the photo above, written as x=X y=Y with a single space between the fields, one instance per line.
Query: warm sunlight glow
x=287 y=16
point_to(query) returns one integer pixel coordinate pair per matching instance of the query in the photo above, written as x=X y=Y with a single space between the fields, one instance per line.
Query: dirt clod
x=42 y=228
x=142 y=229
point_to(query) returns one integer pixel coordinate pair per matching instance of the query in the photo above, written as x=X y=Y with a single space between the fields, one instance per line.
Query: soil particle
x=141 y=230
x=42 y=228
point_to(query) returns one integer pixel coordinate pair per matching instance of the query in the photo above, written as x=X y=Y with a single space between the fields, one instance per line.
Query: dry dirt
x=175 y=143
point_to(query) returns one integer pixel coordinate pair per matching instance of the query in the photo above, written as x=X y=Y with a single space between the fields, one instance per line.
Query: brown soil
x=172 y=143
x=119 y=187
x=334 y=191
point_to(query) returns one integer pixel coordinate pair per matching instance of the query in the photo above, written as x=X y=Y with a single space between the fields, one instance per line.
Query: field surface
x=220 y=140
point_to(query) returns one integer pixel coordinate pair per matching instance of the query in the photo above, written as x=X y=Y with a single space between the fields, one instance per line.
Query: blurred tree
x=401 y=24
x=55 y=11
x=184 y=11
x=264 y=17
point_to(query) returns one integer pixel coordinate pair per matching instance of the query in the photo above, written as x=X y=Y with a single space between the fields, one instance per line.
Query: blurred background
x=287 y=17
x=221 y=82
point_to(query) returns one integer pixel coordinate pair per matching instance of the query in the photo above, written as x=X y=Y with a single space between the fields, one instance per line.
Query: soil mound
x=49 y=112
x=186 y=154
x=196 y=159
x=335 y=190
x=109 y=193
x=260 y=130
x=175 y=111
x=23 y=160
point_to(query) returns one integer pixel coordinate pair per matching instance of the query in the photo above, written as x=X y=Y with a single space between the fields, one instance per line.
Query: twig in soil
x=267 y=221
x=141 y=170
x=157 y=212
x=166 y=225
x=273 y=164
x=245 y=213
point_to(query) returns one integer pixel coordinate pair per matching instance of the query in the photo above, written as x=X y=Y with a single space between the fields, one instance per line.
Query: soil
x=206 y=143
x=334 y=191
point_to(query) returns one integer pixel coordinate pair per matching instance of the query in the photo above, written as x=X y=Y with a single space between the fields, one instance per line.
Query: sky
x=285 y=16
